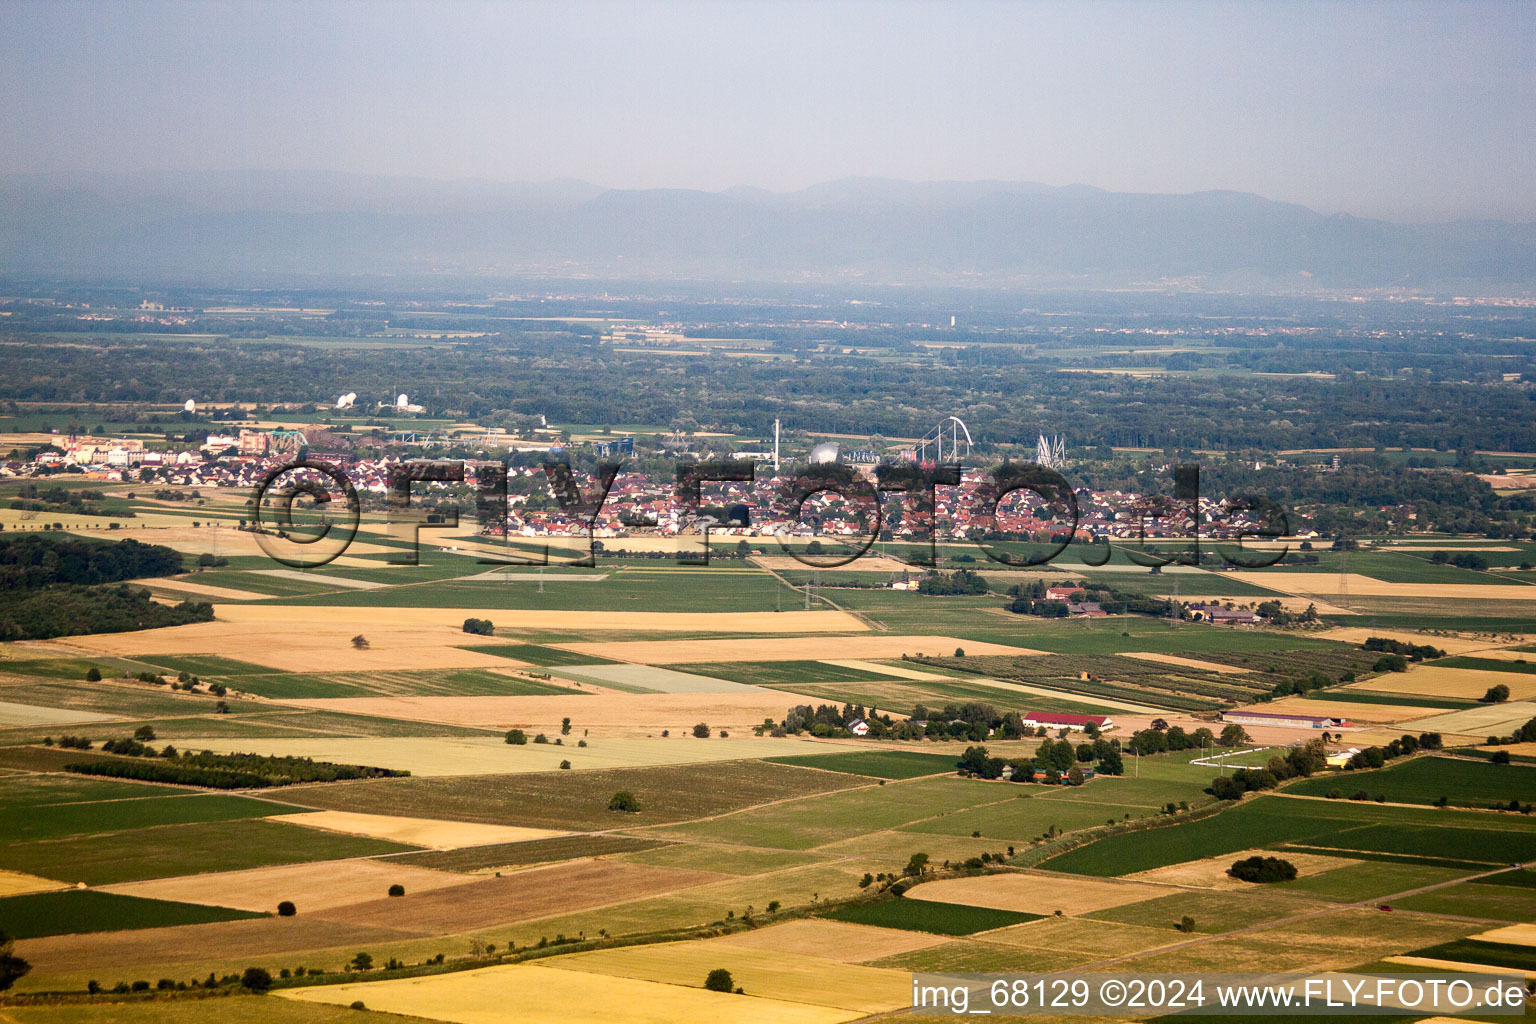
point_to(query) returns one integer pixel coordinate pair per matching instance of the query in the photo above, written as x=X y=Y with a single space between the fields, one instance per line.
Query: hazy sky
x=1399 y=110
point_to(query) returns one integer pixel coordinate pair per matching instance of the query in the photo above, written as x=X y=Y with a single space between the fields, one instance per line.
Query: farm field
x=632 y=715
x=309 y=887
x=1424 y=780
x=1323 y=826
x=72 y=913
x=579 y=800
x=436 y=756
x=929 y=916
x=890 y=764
x=548 y=993
x=835 y=940
x=775 y=974
x=1439 y=680
x=495 y=843
x=434 y=834
x=532 y=893
x=167 y=850
x=1041 y=894
x=807 y=648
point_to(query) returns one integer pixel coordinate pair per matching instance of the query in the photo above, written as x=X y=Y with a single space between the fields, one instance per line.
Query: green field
x=1409 y=700
x=1488 y=664
x=20 y=824
x=888 y=764
x=1424 y=780
x=74 y=912
x=207 y=665
x=782 y=674
x=1481 y=898
x=805 y=824
x=537 y=654
x=578 y=800
x=182 y=850
x=453 y=683
x=929 y=916
x=1477 y=951
x=1342 y=825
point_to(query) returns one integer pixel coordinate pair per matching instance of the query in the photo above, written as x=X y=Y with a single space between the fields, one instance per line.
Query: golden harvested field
x=311 y=887
x=431 y=833
x=1514 y=749
x=1211 y=873
x=1463 y=683
x=1354 y=712
x=438 y=756
x=1036 y=894
x=191 y=589
x=520 y=896
x=225 y=540
x=1170 y=659
x=319 y=640
x=547 y=995
x=1097 y=939
x=1515 y=935
x=835 y=940
x=17 y=883
x=1327 y=585
x=605 y=714
x=800 y=648
x=1448 y=644
x=12 y=714
x=793 y=977
x=869 y=563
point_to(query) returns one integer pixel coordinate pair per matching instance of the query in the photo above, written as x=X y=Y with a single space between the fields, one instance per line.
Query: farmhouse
x=1280 y=718
x=1062 y=593
x=1220 y=616
x=1061 y=720
x=859 y=727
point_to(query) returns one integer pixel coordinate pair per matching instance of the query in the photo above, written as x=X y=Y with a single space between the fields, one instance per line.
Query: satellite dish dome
x=190 y=406
x=824 y=453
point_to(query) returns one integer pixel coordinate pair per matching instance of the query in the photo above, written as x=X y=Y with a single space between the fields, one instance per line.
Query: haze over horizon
x=1409 y=113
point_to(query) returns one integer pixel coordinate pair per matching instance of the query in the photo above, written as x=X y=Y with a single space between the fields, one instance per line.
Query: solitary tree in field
x=361 y=962
x=1496 y=694
x=286 y=909
x=516 y=737
x=1186 y=924
x=624 y=801
x=397 y=889
x=565 y=727
x=93 y=674
x=12 y=967
x=701 y=731
x=360 y=642
x=720 y=980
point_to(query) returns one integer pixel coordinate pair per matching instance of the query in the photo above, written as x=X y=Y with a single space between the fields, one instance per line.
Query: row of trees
x=220 y=771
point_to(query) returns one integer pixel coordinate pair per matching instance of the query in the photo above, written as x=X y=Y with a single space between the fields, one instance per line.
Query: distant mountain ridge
x=200 y=225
